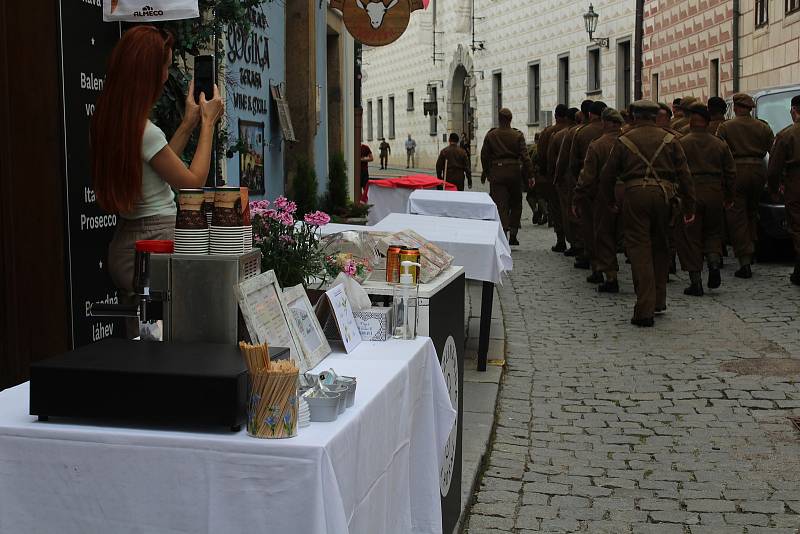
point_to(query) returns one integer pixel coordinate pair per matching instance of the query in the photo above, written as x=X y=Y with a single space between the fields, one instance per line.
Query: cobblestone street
x=682 y=428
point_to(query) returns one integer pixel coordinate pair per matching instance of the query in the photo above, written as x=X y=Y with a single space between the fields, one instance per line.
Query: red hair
x=133 y=85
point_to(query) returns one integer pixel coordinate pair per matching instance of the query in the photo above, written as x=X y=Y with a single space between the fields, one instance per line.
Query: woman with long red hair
x=134 y=168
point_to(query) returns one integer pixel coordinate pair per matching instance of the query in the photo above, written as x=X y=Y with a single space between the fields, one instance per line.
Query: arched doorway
x=459 y=102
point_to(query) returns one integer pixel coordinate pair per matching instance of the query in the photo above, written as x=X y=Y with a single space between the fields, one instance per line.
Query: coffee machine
x=195 y=296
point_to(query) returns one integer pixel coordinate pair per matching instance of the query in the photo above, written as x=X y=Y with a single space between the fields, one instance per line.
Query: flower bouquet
x=290 y=247
x=357 y=268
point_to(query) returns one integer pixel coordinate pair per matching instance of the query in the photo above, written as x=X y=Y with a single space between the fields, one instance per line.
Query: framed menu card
x=265 y=317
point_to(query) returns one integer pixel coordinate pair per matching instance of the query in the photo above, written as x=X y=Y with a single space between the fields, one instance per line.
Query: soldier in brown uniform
x=749 y=140
x=605 y=219
x=553 y=149
x=544 y=182
x=784 y=173
x=577 y=154
x=677 y=111
x=681 y=124
x=652 y=165
x=714 y=173
x=504 y=156
x=565 y=184
x=453 y=164
x=717 y=108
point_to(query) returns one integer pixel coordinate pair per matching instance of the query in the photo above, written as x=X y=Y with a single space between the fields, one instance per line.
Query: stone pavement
x=604 y=427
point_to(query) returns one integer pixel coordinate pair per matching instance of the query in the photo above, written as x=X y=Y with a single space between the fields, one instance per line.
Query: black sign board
x=86 y=43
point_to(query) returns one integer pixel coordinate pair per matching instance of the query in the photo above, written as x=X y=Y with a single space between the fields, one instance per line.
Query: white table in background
x=481 y=247
x=375 y=469
x=386 y=200
x=460 y=204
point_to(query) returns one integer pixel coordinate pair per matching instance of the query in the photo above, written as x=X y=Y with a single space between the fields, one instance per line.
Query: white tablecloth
x=375 y=469
x=461 y=204
x=386 y=200
x=481 y=247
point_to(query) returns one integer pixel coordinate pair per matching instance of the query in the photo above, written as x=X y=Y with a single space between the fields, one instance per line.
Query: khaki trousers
x=606 y=236
x=505 y=189
x=646 y=218
x=566 y=191
x=587 y=229
x=547 y=190
x=743 y=216
x=704 y=236
x=792 y=202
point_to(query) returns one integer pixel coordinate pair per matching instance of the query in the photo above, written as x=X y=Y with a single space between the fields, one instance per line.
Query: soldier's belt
x=647 y=182
x=707 y=178
x=754 y=161
x=504 y=162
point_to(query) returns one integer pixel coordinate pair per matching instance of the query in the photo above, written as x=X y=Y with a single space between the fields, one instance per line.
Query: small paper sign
x=345 y=320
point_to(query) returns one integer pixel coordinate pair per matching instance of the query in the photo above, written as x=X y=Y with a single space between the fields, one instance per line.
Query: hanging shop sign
x=377 y=22
x=148 y=10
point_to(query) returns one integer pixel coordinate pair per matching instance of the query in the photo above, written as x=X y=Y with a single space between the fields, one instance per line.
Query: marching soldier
x=652 y=166
x=549 y=144
x=717 y=108
x=565 y=184
x=544 y=188
x=784 y=173
x=585 y=225
x=604 y=258
x=503 y=152
x=453 y=164
x=677 y=112
x=714 y=173
x=681 y=124
x=749 y=140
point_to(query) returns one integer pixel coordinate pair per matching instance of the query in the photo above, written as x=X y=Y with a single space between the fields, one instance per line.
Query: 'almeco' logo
x=148 y=11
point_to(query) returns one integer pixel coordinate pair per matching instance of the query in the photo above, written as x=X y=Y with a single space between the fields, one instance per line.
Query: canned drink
x=411 y=254
x=393 y=264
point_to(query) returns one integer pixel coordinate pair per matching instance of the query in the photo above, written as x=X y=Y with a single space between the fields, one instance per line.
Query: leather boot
x=611 y=286
x=595 y=278
x=795 y=278
x=512 y=238
x=648 y=322
x=560 y=246
x=744 y=272
x=694 y=290
x=714 y=278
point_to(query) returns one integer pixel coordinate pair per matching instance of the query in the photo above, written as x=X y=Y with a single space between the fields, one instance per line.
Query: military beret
x=646 y=106
x=687 y=101
x=744 y=100
x=700 y=109
x=597 y=108
x=505 y=113
x=716 y=103
x=612 y=115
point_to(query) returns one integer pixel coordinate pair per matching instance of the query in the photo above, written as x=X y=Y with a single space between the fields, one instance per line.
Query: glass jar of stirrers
x=272 y=407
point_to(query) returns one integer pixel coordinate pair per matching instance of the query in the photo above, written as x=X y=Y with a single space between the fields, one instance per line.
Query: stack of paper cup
x=231 y=239
x=194 y=241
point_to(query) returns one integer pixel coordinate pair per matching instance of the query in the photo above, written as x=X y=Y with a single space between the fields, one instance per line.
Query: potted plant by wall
x=335 y=200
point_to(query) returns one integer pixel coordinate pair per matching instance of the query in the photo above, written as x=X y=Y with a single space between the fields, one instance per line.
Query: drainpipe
x=735 y=31
x=637 y=50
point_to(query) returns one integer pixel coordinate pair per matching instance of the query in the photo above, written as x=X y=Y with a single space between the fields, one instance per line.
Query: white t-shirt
x=157 y=197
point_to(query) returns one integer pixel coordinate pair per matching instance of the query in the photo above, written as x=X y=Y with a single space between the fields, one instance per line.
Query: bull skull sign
x=377 y=22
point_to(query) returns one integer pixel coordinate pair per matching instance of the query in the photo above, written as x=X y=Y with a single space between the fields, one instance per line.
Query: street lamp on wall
x=590 y=19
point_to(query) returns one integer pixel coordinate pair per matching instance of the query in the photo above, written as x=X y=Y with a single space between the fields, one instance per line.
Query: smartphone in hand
x=203 y=77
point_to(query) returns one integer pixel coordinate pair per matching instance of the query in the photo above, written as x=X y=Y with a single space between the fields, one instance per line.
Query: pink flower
x=285 y=218
x=281 y=203
x=291 y=207
x=317 y=218
x=350 y=268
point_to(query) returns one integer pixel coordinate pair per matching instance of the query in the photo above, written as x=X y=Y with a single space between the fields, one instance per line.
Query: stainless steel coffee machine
x=194 y=295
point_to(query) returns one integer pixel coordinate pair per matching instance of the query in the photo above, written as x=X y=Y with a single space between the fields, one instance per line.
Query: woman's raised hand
x=211 y=110
x=192 y=109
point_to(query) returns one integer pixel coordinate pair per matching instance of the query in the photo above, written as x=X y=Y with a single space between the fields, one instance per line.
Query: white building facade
x=474 y=57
